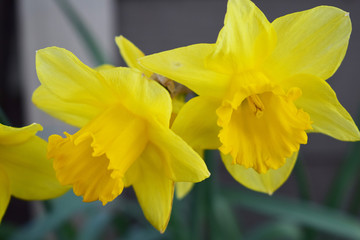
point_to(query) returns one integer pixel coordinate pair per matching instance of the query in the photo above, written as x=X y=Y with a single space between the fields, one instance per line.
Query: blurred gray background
x=154 y=26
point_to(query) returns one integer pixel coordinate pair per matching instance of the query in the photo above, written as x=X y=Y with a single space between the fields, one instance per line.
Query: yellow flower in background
x=263 y=87
x=131 y=55
x=124 y=138
x=25 y=172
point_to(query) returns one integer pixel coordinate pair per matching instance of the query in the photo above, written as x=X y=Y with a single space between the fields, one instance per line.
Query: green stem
x=180 y=228
x=204 y=226
x=301 y=179
x=344 y=178
x=82 y=30
x=197 y=208
x=210 y=194
x=303 y=186
x=220 y=219
x=354 y=206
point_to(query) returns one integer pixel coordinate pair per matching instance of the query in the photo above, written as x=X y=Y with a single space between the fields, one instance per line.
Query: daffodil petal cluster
x=25 y=172
x=262 y=89
x=131 y=54
x=124 y=138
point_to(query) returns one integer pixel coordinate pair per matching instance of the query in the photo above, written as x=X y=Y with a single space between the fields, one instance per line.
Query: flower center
x=261 y=129
x=256 y=105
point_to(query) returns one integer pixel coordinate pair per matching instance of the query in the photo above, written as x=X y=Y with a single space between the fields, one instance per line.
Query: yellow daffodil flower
x=25 y=172
x=124 y=138
x=131 y=54
x=262 y=85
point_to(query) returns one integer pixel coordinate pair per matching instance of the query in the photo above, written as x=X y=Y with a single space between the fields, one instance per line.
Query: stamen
x=256 y=105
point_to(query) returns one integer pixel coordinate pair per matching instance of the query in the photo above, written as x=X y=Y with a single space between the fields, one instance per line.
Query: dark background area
x=10 y=90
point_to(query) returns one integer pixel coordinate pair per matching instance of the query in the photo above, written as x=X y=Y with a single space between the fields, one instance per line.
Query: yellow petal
x=246 y=39
x=66 y=77
x=104 y=67
x=264 y=130
x=131 y=54
x=320 y=102
x=30 y=173
x=182 y=189
x=145 y=97
x=196 y=123
x=268 y=182
x=187 y=65
x=184 y=164
x=12 y=135
x=89 y=175
x=119 y=134
x=74 y=113
x=4 y=192
x=154 y=190
x=310 y=42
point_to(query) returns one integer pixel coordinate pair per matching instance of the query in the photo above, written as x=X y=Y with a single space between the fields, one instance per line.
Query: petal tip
x=119 y=38
x=38 y=126
x=270 y=192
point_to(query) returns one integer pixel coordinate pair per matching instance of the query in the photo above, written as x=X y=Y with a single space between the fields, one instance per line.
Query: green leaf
x=6 y=230
x=179 y=228
x=147 y=233
x=300 y=212
x=95 y=225
x=354 y=206
x=224 y=217
x=276 y=231
x=62 y=209
x=302 y=179
x=345 y=178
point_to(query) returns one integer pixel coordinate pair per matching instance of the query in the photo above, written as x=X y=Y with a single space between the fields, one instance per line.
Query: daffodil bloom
x=124 y=138
x=131 y=54
x=25 y=172
x=263 y=87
